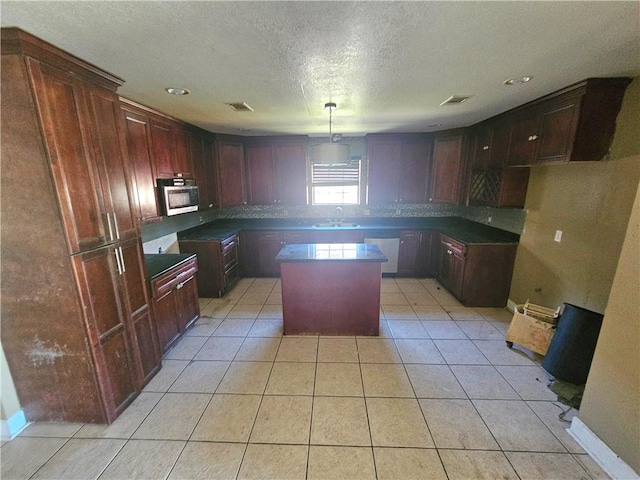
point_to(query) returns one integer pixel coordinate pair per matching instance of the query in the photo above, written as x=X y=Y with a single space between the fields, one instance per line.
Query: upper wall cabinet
x=447 y=168
x=202 y=154
x=230 y=171
x=490 y=183
x=573 y=124
x=277 y=170
x=398 y=168
x=139 y=143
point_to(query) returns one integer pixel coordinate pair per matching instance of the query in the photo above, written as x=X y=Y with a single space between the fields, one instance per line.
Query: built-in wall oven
x=178 y=195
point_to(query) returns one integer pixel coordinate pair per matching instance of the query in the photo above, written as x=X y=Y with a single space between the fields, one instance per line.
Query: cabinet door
x=138 y=132
x=408 y=253
x=413 y=172
x=384 y=167
x=230 y=173
x=451 y=273
x=162 y=143
x=500 y=139
x=165 y=312
x=557 y=130
x=181 y=159
x=98 y=274
x=481 y=146
x=188 y=303
x=291 y=164
x=261 y=174
x=109 y=143
x=62 y=108
x=426 y=260
x=137 y=308
x=269 y=244
x=446 y=169
x=202 y=152
x=524 y=138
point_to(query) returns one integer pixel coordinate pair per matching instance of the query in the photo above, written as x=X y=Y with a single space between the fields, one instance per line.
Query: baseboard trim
x=13 y=425
x=611 y=463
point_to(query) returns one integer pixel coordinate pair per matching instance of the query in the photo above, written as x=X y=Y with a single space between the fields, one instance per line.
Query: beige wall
x=611 y=404
x=590 y=202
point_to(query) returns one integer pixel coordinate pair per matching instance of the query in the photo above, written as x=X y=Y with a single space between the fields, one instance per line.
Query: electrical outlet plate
x=558 y=236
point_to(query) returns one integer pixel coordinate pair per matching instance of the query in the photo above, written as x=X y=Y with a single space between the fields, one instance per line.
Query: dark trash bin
x=572 y=346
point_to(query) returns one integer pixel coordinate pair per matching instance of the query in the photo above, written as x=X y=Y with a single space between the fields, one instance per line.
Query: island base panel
x=331 y=298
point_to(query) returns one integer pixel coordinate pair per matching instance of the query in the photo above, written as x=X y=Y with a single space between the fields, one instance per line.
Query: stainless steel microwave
x=178 y=195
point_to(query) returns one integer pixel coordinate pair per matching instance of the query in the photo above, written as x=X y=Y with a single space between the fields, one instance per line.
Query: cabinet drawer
x=231 y=276
x=173 y=277
x=453 y=246
x=229 y=252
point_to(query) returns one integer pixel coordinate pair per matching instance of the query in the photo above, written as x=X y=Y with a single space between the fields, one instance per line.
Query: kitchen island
x=331 y=288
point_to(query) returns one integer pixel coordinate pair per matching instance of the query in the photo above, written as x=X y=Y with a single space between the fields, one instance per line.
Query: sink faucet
x=338 y=215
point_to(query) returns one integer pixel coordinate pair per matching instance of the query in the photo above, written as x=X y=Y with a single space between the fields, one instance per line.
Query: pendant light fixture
x=331 y=152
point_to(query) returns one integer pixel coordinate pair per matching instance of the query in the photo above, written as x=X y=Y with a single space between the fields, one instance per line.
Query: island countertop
x=313 y=252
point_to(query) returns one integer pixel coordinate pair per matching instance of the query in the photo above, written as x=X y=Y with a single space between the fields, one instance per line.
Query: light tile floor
x=437 y=395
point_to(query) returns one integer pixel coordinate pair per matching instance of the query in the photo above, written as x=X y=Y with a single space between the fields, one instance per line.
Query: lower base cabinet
x=417 y=254
x=176 y=303
x=479 y=275
x=218 y=267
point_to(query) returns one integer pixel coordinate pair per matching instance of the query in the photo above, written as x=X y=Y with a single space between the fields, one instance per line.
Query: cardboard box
x=530 y=332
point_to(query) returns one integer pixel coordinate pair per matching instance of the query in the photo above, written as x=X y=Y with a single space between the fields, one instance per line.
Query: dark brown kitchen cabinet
x=113 y=293
x=268 y=244
x=490 y=182
x=218 y=264
x=182 y=166
x=384 y=154
x=170 y=148
x=574 y=124
x=415 y=256
x=82 y=127
x=230 y=171
x=398 y=168
x=277 y=171
x=139 y=143
x=447 y=168
x=202 y=152
x=452 y=263
x=71 y=254
x=479 y=275
x=175 y=302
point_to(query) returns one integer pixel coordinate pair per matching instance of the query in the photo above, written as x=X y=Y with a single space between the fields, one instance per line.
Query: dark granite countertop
x=160 y=263
x=313 y=252
x=460 y=229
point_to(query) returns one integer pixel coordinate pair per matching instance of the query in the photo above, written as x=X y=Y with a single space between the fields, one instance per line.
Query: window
x=335 y=184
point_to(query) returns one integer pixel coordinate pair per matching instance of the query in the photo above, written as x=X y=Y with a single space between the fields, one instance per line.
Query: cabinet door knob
x=486 y=147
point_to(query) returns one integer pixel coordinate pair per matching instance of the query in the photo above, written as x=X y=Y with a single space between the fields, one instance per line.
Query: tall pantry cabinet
x=77 y=331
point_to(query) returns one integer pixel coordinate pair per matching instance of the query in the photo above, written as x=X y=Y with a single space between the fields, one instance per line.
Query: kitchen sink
x=337 y=225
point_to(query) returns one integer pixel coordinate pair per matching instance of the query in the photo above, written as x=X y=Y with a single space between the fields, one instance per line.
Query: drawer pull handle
x=179 y=286
x=486 y=147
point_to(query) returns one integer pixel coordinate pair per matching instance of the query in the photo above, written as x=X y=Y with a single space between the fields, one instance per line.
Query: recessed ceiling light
x=177 y=91
x=517 y=80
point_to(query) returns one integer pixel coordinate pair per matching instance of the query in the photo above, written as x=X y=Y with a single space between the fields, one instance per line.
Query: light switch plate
x=558 y=237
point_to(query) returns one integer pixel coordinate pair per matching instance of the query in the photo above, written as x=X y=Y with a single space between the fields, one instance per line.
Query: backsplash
x=509 y=219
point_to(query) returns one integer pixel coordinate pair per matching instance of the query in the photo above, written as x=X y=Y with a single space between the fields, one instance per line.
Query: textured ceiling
x=388 y=65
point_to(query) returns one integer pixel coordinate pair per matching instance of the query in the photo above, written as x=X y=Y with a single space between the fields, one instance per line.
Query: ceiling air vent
x=240 y=107
x=456 y=99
